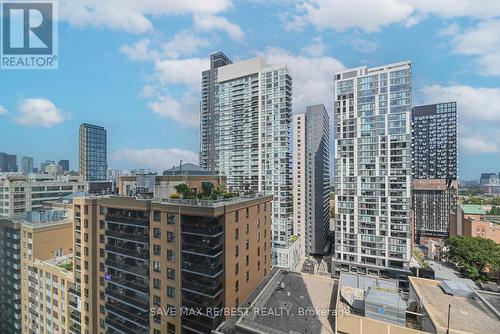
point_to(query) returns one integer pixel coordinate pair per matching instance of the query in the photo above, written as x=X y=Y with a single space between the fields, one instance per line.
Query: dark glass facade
x=93 y=152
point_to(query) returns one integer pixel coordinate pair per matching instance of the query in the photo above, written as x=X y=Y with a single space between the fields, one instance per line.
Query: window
x=236 y=251
x=248 y=276
x=247 y=213
x=156 y=266
x=236 y=218
x=170 y=328
x=156 y=249
x=156 y=233
x=157 y=216
x=247 y=244
x=170 y=292
x=170 y=255
x=156 y=300
x=236 y=286
x=156 y=283
x=247 y=228
x=247 y=260
x=171 y=219
x=170 y=236
x=236 y=267
x=170 y=273
x=236 y=234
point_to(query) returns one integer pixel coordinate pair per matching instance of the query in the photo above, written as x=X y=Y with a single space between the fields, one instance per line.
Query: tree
x=208 y=188
x=474 y=256
x=184 y=190
x=473 y=200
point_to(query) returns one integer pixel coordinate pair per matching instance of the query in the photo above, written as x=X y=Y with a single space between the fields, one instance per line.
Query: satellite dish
x=282 y=285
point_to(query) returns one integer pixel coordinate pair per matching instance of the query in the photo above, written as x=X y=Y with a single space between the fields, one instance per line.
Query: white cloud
x=38 y=112
x=370 y=16
x=185 y=111
x=316 y=48
x=156 y=158
x=181 y=71
x=475 y=144
x=132 y=15
x=478 y=113
x=482 y=41
x=367 y=15
x=450 y=30
x=312 y=76
x=474 y=104
x=213 y=22
x=3 y=110
x=183 y=43
x=140 y=50
x=360 y=44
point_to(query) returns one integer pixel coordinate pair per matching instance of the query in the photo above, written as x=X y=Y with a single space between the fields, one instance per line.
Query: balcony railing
x=123 y=326
x=136 y=284
x=141 y=318
x=204 y=289
x=210 y=231
x=136 y=237
x=140 y=270
x=138 y=253
x=211 y=270
x=134 y=301
x=128 y=220
x=202 y=250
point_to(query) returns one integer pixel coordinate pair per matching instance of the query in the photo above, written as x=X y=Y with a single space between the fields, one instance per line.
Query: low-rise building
x=286 y=302
x=471 y=220
x=453 y=308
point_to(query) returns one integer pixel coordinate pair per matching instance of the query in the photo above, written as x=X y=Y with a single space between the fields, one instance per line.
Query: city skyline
x=135 y=85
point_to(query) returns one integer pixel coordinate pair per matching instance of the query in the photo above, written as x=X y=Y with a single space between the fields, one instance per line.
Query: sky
x=134 y=67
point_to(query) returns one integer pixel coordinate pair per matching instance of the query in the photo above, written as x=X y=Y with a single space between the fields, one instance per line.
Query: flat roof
x=467 y=315
x=310 y=300
x=473 y=209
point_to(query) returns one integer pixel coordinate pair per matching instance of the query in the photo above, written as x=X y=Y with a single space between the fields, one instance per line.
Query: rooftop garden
x=209 y=192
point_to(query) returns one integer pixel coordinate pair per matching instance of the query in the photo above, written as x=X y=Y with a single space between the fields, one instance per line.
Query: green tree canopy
x=474 y=256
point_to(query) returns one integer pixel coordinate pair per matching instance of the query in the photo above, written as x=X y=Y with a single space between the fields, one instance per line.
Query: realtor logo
x=29 y=35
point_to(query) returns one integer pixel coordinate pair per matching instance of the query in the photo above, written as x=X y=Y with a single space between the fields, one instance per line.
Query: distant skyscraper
x=311 y=179
x=249 y=121
x=8 y=162
x=64 y=164
x=434 y=168
x=44 y=165
x=26 y=165
x=373 y=169
x=434 y=141
x=93 y=152
x=208 y=117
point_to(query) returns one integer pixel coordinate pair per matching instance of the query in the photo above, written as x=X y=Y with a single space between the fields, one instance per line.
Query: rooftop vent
x=456 y=288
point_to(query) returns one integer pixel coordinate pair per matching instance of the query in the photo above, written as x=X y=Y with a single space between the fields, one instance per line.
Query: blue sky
x=135 y=67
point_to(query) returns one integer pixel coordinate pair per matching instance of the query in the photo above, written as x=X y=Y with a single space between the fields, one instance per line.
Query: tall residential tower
x=93 y=152
x=373 y=169
x=311 y=179
x=434 y=168
x=251 y=112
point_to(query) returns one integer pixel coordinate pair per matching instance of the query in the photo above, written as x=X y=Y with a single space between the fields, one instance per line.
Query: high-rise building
x=208 y=116
x=8 y=162
x=64 y=164
x=311 y=179
x=10 y=276
x=251 y=118
x=46 y=271
x=434 y=141
x=434 y=168
x=26 y=165
x=23 y=193
x=43 y=165
x=167 y=267
x=373 y=169
x=93 y=152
